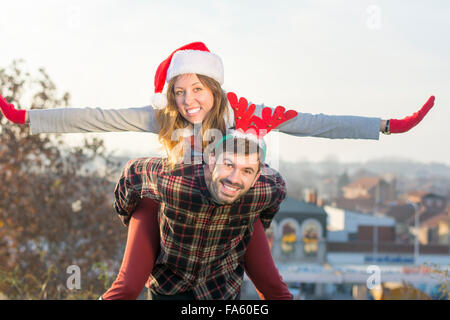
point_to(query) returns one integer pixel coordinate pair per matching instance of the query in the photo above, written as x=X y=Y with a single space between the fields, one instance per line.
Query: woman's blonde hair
x=170 y=119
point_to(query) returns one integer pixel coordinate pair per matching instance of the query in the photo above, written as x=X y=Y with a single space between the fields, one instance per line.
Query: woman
x=194 y=97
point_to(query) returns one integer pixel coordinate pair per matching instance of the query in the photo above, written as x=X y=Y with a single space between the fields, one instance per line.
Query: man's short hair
x=240 y=146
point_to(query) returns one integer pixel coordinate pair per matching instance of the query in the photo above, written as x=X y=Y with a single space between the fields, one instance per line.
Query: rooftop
x=291 y=205
x=364 y=182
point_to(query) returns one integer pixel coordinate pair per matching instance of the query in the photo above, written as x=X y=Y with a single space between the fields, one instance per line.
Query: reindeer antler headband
x=251 y=127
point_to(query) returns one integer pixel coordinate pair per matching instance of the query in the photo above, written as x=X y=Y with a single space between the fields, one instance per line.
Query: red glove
x=403 y=125
x=13 y=115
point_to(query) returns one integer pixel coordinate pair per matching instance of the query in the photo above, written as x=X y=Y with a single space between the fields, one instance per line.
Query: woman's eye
x=198 y=89
x=178 y=93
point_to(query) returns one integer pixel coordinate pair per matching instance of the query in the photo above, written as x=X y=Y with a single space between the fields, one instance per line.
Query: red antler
x=244 y=117
x=270 y=122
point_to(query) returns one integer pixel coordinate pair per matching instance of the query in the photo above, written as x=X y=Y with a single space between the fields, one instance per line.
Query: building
x=435 y=229
x=297 y=237
x=347 y=226
x=429 y=211
x=334 y=253
x=359 y=246
x=300 y=228
x=366 y=194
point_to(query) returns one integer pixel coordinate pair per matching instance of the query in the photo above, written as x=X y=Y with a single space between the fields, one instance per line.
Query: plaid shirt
x=202 y=243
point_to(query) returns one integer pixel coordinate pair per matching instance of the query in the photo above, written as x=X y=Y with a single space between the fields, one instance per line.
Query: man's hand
x=403 y=125
x=9 y=111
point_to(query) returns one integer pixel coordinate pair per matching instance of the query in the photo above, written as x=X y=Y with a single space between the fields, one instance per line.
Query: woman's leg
x=261 y=268
x=140 y=253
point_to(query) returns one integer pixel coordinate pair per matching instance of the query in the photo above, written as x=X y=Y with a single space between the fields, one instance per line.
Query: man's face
x=232 y=175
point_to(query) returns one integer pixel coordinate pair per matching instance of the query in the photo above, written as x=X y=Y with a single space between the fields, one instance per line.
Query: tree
x=343 y=180
x=54 y=211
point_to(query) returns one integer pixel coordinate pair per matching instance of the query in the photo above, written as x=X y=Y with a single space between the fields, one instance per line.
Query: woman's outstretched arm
x=81 y=120
x=348 y=127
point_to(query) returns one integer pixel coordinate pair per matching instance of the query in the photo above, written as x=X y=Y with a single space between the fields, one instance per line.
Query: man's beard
x=216 y=186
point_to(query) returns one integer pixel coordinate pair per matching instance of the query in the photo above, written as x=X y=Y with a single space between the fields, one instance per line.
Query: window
x=310 y=239
x=288 y=238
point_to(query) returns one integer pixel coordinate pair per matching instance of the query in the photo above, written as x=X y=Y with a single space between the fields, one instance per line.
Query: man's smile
x=228 y=189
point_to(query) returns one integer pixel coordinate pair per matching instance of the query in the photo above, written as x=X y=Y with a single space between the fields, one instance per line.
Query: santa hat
x=191 y=58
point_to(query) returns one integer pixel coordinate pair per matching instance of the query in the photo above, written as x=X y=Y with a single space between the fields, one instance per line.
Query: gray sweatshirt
x=73 y=120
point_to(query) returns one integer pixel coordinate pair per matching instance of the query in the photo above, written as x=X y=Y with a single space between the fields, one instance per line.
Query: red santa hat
x=191 y=58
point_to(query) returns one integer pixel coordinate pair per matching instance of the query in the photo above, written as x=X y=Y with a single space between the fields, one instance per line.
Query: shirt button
x=180 y=219
x=244 y=221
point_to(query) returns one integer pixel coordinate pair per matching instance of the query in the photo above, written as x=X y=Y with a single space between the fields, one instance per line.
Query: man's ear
x=212 y=162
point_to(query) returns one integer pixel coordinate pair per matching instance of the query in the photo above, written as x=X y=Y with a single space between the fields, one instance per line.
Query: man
x=207 y=215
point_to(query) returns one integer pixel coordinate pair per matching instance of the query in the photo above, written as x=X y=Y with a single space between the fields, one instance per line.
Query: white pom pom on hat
x=159 y=101
x=191 y=58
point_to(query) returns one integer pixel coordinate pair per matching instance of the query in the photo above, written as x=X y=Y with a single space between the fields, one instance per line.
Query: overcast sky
x=368 y=58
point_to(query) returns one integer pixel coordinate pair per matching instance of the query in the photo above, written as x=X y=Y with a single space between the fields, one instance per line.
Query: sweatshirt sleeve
x=81 y=120
x=329 y=126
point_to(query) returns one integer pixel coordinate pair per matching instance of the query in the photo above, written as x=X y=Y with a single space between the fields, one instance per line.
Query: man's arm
x=137 y=180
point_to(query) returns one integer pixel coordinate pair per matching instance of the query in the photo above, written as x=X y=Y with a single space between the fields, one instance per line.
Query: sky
x=367 y=58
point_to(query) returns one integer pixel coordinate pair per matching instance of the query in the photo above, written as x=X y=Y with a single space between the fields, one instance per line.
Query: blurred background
x=352 y=204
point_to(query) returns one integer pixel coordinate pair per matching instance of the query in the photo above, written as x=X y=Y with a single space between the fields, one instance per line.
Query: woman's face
x=194 y=100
